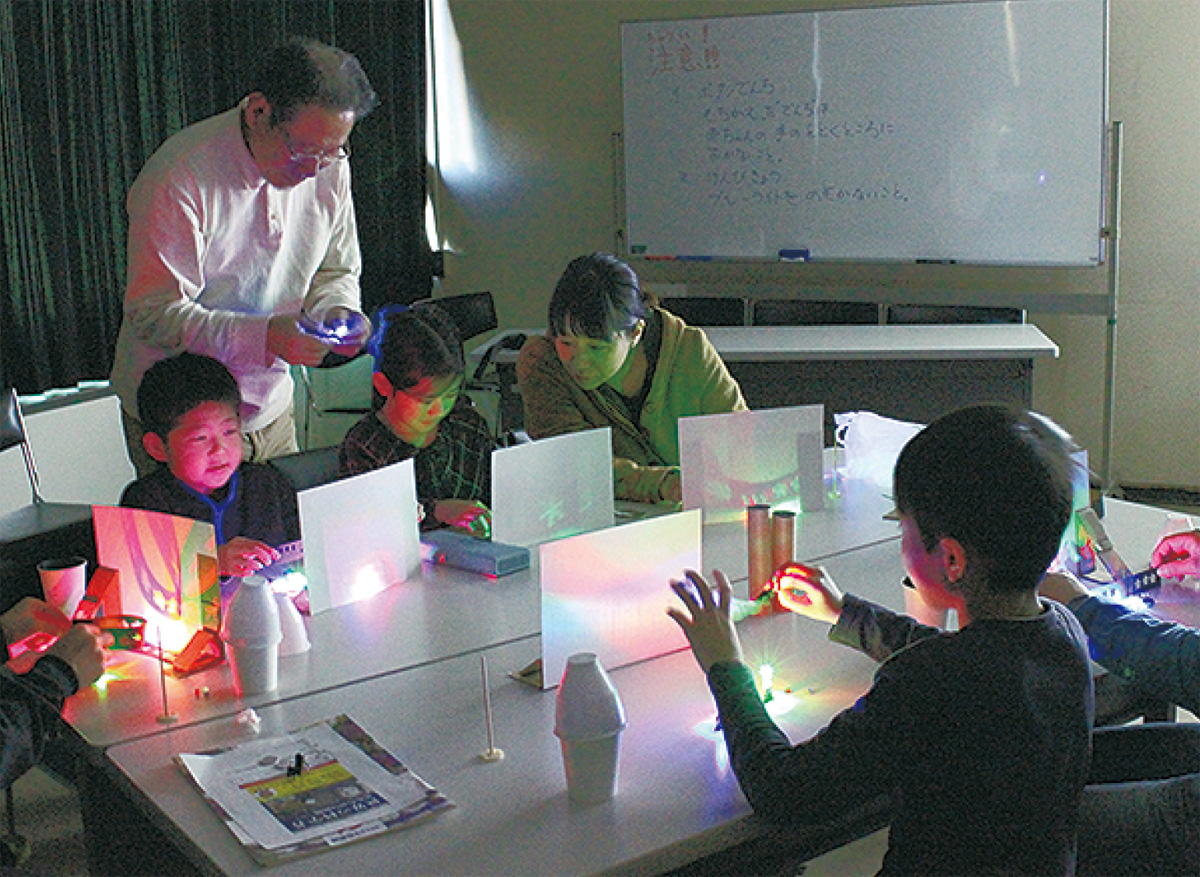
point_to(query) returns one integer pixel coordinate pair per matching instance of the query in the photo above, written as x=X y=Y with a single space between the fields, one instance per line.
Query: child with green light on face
x=425 y=416
x=980 y=737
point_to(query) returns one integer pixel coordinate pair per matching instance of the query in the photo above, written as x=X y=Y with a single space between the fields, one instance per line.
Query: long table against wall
x=909 y=372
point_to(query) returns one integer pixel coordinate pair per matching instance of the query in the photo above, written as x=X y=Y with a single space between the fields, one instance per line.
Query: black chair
x=707 y=310
x=473 y=313
x=12 y=434
x=309 y=468
x=929 y=314
x=39 y=530
x=801 y=312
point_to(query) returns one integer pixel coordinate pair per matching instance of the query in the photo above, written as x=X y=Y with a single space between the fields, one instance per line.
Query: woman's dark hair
x=411 y=343
x=302 y=71
x=174 y=386
x=598 y=296
x=996 y=479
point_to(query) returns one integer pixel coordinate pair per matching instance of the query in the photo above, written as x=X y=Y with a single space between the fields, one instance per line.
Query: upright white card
x=360 y=535
x=552 y=488
x=771 y=457
x=607 y=592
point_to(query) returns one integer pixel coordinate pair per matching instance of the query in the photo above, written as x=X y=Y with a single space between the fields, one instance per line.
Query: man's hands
x=351 y=329
x=241 y=556
x=342 y=331
x=706 y=622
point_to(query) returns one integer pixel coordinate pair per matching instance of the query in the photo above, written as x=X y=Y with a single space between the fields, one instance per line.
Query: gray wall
x=543 y=99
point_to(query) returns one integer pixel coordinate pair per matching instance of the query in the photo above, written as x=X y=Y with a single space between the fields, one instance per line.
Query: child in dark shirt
x=981 y=736
x=419 y=371
x=189 y=407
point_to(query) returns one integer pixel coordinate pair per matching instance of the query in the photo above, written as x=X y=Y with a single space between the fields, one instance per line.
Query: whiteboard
x=963 y=132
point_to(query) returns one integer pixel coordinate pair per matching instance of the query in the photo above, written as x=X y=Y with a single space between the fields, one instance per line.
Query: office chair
x=12 y=433
x=473 y=313
x=957 y=314
x=801 y=312
x=706 y=310
x=334 y=399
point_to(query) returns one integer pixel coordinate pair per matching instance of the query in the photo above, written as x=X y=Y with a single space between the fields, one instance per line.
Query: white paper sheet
x=552 y=488
x=772 y=456
x=607 y=592
x=360 y=535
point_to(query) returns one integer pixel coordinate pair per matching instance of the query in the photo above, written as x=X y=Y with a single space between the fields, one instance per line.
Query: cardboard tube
x=783 y=539
x=758 y=544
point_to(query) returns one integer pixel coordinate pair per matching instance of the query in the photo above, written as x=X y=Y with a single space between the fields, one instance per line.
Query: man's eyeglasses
x=323 y=159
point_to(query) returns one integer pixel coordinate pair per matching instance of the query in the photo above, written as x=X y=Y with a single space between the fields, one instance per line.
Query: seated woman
x=611 y=358
x=424 y=415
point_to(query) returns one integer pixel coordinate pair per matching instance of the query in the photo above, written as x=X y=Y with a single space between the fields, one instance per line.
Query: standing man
x=243 y=244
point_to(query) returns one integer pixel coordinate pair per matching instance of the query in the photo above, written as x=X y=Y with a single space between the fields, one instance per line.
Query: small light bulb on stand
x=766 y=676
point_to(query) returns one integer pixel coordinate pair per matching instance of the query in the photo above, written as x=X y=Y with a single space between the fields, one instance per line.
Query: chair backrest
x=707 y=310
x=801 y=312
x=12 y=428
x=922 y=314
x=12 y=433
x=473 y=313
x=309 y=468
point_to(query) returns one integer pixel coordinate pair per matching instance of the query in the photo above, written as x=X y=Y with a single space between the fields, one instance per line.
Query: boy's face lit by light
x=415 y=412
x=592 y=362
x=204 y=448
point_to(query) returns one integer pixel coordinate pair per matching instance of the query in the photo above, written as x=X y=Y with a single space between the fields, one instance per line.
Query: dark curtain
x=88 y=90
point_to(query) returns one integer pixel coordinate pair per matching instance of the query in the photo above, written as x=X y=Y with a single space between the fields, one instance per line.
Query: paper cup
x=64 y=579
x=255 y=670
x=291 y=625
x=591 y=767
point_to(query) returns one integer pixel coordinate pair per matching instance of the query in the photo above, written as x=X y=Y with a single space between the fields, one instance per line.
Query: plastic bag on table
x=871 y=443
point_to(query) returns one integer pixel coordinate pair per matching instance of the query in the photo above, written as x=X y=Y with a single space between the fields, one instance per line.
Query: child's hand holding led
x=241 y=556
x=808 y=591
x=706 y=622
x=465 y=514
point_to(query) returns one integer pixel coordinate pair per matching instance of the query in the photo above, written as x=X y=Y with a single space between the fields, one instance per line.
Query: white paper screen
x=772 y=457
x=552 y=488
x=607 y=592
x=360 y=535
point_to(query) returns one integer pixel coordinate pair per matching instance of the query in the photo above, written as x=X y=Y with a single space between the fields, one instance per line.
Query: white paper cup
x=591 y=767
x=255 y=670
x=291 y=625
x=64 y=579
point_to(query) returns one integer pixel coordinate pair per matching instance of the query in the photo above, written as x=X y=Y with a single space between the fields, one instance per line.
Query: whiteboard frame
x=763 y=275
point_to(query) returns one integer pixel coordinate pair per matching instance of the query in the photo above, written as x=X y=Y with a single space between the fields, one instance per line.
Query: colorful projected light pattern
x=167 y=566
x=741 y=458
x=606 y=592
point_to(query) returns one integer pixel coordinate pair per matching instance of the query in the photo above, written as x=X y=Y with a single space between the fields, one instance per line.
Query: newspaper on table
x=315 y=788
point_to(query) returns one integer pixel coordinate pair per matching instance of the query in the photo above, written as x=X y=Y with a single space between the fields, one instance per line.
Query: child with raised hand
x=189 y=407
x=981 y=736
x=425 y=416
